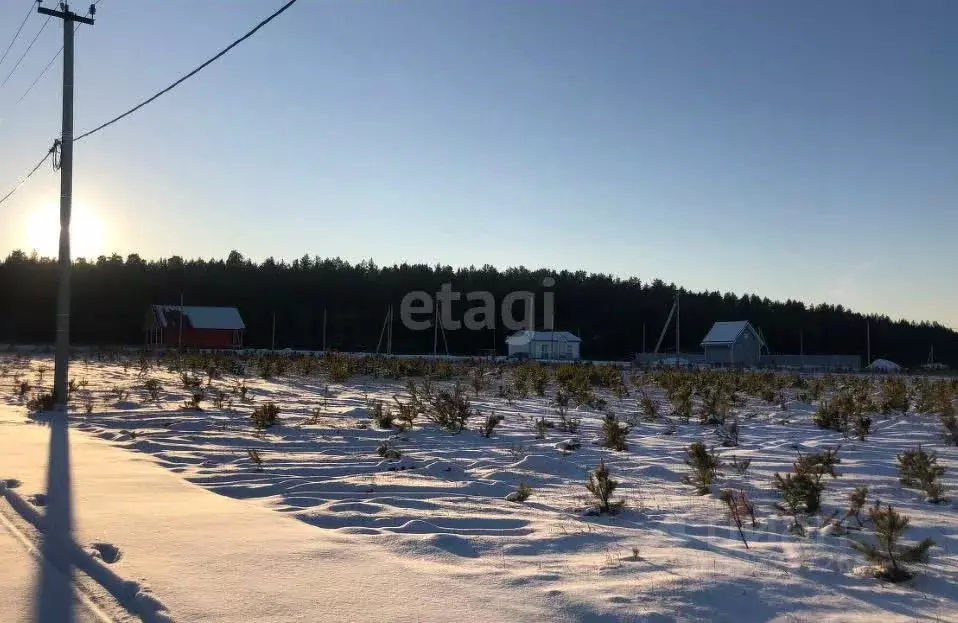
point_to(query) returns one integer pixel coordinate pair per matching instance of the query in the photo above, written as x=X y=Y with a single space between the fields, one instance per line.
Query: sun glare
x=86 y=232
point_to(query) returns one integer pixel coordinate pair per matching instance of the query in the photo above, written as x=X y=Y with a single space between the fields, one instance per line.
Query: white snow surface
x=326 y=530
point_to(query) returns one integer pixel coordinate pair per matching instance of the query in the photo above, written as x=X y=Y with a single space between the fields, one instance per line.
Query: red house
x=194 y=327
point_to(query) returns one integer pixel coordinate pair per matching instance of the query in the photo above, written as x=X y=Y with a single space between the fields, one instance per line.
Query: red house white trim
x=194 y=327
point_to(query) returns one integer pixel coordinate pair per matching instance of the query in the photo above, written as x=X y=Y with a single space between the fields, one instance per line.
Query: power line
x=50 y=152
x=44 y=71
x=25 y=52
x=221 y=53
x=17 y=34
x=191 y=74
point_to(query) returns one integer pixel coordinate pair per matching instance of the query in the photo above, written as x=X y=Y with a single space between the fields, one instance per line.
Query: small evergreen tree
x=648 y=408
x=265 y=415
x=489 y=424
x=894 y=396
x=714 y=407
x=703 y=464
x=728 y=433
x=919 y=469
x=614 y=433
x=856 y=503
x=950 y=425
x=521 y=494
x=740 y=465
x=682 y=405
x=450 y=410
x=388 y=451
x=601 y=486
x=890 y=557
x=382 y=415
x=801 y=490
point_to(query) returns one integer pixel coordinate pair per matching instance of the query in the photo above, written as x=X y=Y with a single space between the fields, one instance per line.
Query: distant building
x=733 y=343
x=194 y=327
x=884 y=365
x=544 y=345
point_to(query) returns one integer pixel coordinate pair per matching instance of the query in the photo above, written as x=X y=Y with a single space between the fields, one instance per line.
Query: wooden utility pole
x=61 y=371
x=678 y=316
x=179 y=339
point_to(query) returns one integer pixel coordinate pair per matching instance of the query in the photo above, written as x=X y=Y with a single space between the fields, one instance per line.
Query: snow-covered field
x=668 y=555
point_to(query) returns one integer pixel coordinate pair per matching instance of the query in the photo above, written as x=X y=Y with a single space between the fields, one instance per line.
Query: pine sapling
x=801 y=490
x=541 y=427
x=647 y=407
x=406 y=413
x=714 y=407
x=682 y=405
x=388 y=451
x=919 y=469
x=740 y=465
x=264 y=416
x=521 y=494
x=382 y=415
x=889 y=557
x=489 y=424
x=153 y=388
x=728 y=433
x=703 y=464
x=601 y=486
x=950 y=425
x=863 y=425
x=614 y=433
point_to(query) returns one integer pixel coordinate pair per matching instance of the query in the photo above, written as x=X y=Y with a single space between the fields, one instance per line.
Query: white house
x=543 y=345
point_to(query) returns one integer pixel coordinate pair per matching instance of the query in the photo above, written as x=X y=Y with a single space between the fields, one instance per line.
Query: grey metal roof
x=728 y=332
x=203 y=317
x=524 y=337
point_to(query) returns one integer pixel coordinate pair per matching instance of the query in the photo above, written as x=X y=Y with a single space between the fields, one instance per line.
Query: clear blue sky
x=804 y=150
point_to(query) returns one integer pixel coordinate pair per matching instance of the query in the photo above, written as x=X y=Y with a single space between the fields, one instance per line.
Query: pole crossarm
x=65 y=15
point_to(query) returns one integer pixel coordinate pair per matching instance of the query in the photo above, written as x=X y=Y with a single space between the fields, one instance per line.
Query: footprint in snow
x=38 y=499
x=11 y=483
x=106 y=552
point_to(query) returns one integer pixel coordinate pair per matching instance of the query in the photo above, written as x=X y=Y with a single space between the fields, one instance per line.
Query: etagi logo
x=419 y=309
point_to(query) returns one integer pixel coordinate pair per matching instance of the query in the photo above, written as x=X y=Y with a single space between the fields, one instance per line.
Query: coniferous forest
x=111 y=297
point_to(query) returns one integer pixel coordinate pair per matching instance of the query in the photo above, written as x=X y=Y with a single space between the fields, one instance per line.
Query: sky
x=794 y=150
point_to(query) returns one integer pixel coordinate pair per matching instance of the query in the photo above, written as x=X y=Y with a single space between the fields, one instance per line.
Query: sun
x=86 y=232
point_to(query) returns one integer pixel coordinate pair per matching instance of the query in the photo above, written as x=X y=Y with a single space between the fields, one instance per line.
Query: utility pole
x=61 y=371
x=273 y=343
x=179 y=339
x=435 y=333
x=678 y=315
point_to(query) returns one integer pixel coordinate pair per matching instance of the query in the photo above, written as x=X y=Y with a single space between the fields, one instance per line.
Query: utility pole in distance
x=62 y=361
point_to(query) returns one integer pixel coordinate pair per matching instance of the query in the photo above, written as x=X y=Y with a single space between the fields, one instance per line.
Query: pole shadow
x=55 y=596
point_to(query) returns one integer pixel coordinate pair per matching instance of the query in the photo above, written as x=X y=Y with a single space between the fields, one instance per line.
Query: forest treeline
x=111 y=297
